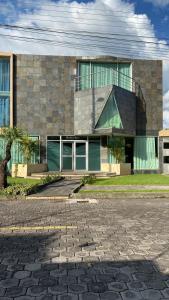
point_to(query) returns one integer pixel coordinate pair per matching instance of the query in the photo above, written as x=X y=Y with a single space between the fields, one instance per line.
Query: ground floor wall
x=96 y=153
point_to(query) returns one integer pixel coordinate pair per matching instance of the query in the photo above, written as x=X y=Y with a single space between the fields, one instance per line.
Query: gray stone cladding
x=44 y=94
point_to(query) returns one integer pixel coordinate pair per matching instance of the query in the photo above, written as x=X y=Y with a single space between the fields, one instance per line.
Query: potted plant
x=117 y=150
x=28 y=147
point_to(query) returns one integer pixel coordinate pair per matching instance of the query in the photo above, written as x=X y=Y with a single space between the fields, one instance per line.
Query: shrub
x=49 y=178
x=20 y=189
x=88 y=179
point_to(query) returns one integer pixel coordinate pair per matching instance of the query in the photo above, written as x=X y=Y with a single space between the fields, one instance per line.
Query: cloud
x=94 y=19
x=161 y=3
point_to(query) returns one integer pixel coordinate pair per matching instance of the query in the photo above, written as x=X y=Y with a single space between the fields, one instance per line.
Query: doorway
x=74 y=155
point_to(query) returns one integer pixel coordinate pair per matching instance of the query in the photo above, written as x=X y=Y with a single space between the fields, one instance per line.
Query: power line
x=56 y=5
x=82 y=13
x=101 y=37
x=107 y=22
x=79 y=46
x=59 y=5
x=80 y=32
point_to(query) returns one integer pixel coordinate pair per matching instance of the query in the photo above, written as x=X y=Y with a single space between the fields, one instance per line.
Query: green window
x=124 y=76
x=110 y=117
x=145 y=153
x=4 y=92
x=93 y=74
x=85 y=76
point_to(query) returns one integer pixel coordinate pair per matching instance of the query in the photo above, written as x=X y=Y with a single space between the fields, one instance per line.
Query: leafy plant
x=28 y=147
x=117 y=149
x=88 y=179
x=49 y=178
x=19 y=189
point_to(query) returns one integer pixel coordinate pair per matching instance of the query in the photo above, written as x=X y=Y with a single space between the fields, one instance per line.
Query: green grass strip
x=137 y=179
x=123 y=191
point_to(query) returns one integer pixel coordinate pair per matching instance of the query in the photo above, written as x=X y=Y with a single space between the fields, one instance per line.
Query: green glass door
x=80 y=156
x=94 y=155
x=67 y=156
x=53 y=155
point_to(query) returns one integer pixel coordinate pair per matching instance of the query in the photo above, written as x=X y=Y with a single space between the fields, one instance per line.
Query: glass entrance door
x=80 y=156
x=74 y=155
x=67 y=156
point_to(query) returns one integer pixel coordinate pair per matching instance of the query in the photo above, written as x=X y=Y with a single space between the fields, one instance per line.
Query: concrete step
x=73 y=175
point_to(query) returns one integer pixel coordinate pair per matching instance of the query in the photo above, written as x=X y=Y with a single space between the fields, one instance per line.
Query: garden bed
x=19 y=188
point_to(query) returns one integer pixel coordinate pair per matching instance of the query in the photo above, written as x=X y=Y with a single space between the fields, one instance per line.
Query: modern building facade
x=80 y=107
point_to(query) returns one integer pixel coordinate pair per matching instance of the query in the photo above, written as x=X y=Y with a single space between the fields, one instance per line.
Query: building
x=79 y=107
x=164 y=150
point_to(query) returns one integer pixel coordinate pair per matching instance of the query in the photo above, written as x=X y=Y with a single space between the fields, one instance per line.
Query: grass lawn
x=13 y=181
x=140 y=179
x=122 y=191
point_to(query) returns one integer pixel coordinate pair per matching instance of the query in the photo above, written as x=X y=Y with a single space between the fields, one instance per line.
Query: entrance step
x=73 y=175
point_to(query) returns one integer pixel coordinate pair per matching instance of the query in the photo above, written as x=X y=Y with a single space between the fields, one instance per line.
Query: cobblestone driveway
x=119 y=250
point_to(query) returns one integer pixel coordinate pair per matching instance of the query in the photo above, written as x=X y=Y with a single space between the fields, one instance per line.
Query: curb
x=75 y=190
x=57 y=198
x=123 y=195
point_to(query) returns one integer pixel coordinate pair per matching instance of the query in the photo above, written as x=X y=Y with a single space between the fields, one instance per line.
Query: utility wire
x=77 y=32
x=31 y=10
x=79 y=46
x=105 y=23
x=112 y=38
x=59 y=5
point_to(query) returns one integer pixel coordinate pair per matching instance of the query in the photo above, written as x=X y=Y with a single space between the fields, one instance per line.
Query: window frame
x=90 y=62
x=10 y=56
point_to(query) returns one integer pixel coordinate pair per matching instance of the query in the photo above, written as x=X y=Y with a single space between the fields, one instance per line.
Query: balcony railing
x=105 y=78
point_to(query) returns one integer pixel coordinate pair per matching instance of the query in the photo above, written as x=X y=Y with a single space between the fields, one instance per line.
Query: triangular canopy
x=110 y=117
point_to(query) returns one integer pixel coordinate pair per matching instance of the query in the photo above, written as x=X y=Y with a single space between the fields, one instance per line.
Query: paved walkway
x=61 y=188
x=116 y=249
x=125 y=187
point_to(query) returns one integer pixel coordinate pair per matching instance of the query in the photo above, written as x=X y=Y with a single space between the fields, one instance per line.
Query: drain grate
x=82 y=201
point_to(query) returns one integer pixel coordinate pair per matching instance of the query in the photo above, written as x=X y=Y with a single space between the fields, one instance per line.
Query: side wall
x=44 y=95
x=148 y=73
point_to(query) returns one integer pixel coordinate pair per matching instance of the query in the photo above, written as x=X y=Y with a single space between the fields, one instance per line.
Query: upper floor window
x=94 y=74
x=4 y=91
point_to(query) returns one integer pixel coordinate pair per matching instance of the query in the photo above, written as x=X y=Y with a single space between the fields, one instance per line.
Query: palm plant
x=117 y=149
x=10 y=135
x=28 y=147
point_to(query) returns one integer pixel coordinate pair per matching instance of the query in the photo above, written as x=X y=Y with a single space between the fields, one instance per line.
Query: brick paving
x=117 y=249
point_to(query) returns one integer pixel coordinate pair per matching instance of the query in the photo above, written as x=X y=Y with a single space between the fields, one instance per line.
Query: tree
x=10 y=135
x=28 y=147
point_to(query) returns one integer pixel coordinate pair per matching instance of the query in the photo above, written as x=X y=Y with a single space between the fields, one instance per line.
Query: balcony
x=107 y=104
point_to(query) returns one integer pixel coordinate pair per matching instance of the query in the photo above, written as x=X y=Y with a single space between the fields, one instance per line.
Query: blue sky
x=119 y=18
x=159 y=16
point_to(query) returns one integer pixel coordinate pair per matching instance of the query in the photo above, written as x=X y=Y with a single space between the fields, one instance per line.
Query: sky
x=126 y=28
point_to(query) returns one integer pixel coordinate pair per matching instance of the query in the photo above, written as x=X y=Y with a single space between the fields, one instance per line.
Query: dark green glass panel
x=67 y=148
x=80 y=163
x=110 y=117
x=67 y=163
x=53 y=156
x=94 y=156
x=80 y=149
